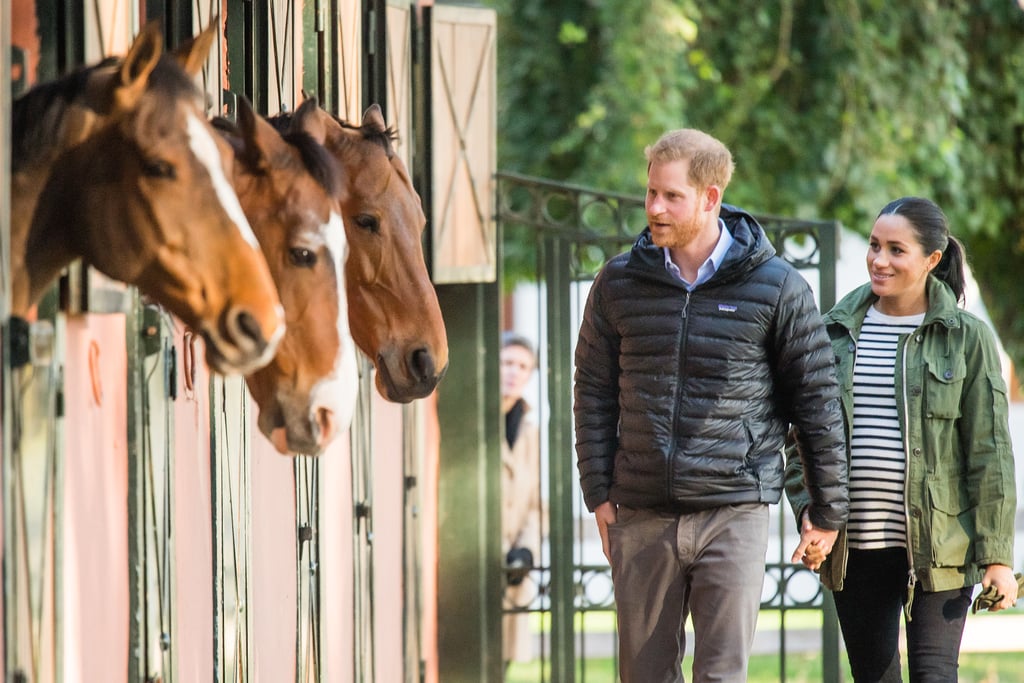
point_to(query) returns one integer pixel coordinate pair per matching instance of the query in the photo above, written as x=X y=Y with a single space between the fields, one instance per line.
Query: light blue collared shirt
x=710 y=265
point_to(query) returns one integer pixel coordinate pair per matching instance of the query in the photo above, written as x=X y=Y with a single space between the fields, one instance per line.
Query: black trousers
x=870 y=608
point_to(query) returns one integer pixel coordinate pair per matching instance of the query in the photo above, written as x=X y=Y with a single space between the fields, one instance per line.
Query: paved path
x=983 y=633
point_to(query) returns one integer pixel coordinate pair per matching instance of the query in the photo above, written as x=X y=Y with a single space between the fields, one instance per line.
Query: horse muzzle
x=239 y=344
x=403 y=379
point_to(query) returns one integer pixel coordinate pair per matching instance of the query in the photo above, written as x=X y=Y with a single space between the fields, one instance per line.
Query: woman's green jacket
x=960 y=493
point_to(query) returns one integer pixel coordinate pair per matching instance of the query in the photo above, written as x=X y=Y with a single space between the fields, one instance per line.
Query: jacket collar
x=942 y=306
x=750 y=248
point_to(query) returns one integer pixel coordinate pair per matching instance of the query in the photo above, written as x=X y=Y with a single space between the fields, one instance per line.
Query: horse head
x=130 y=176
x=393 y=309
x=288 y=186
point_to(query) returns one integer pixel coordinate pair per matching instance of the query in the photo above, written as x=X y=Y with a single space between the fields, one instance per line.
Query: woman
x=931 y=472
x=520 y=491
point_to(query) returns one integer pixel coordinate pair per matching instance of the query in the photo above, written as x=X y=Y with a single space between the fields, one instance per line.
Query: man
x=698 y=349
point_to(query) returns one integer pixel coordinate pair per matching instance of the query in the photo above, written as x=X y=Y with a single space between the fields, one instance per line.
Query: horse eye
x=368 y=222
x=158 y=169
x=302 y=258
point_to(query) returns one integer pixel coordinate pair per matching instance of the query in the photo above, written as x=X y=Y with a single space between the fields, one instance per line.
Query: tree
x=831 y=109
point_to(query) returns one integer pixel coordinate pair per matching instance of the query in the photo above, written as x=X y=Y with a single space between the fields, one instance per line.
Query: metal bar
x=6 y=452
x=136 y=493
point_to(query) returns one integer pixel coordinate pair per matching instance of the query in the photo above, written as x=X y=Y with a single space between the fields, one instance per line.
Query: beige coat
x=521 y=528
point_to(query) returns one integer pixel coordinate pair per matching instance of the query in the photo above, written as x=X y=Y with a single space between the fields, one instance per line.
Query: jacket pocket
x=944 y=384
x=951 y=532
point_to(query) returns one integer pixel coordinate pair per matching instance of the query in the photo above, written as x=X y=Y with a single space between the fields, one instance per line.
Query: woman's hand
x=1001 y=576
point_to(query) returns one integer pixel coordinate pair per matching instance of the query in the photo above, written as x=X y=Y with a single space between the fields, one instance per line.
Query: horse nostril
x=249 y=327
x=325 y=421
x=422 y=364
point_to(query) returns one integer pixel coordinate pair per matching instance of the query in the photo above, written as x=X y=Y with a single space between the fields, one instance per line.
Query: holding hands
x=815 y=544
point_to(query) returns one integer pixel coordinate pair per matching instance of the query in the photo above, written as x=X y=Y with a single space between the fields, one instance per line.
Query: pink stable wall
x=273 y=599
x=192 y=640
x=274 y=596
x=336 y=569
x=95 y=519
x=273 y=556
x=95 y=569
x=388 y=532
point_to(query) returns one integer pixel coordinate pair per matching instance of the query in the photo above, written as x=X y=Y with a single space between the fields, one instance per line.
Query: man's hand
x=815 y=544
x=605 y=514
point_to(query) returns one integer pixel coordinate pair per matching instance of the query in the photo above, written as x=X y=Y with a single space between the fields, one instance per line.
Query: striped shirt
x=877 y=459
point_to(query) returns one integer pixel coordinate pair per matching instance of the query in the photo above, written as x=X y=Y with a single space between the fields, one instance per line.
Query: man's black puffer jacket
x=683 y=400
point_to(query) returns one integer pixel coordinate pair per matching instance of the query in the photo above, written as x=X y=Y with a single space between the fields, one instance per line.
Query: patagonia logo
x=727 y=308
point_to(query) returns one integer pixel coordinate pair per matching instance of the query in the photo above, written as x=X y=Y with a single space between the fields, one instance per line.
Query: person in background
x=931 y=471
x=520 y=493
x=697 y=349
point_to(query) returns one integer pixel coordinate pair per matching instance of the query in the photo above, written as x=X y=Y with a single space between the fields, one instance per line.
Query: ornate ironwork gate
x=561 y=235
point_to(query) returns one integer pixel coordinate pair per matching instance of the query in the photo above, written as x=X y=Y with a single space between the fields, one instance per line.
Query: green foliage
x=831 y=109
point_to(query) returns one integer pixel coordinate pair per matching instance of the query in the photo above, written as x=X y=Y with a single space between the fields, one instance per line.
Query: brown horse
x=118 y=165
x=393 y=309
x=289 y=186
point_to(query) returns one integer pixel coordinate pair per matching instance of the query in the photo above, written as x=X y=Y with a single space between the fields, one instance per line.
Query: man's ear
x=712 y=197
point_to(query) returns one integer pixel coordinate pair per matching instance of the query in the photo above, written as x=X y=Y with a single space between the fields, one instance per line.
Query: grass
x=1002 y=667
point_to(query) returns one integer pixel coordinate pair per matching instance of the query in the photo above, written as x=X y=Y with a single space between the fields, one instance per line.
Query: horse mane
x=37 y=115
x=318 y=161
x=384 y=138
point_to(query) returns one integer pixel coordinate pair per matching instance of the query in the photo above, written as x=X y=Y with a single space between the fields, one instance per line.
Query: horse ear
x=193 y=53
x=248 y=125
x=138 y=64
x=307 y=119
x=374 y=118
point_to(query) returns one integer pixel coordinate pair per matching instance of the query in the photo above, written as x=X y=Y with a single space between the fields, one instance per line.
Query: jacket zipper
x=679 y=384
x=911 y=574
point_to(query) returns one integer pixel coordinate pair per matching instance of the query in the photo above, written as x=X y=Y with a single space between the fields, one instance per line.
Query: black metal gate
x=557 y=237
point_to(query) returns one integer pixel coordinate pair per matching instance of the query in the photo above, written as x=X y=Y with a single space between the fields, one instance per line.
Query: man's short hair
x=710 y=160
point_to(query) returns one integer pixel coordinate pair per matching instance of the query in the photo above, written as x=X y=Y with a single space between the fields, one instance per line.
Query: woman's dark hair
x=932 y=229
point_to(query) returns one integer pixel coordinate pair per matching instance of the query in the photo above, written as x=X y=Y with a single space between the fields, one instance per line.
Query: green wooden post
x=562 y=462
x=829 y=257
x=469 y=513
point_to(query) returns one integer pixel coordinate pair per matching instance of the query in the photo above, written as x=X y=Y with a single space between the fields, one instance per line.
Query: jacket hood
x=751 y=247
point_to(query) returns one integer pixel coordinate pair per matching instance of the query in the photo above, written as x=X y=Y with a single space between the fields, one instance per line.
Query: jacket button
x=915 y=391
x=919 y=338
x=917 y=451
x=948 y=374
x=851 y=347
x=916 y=513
